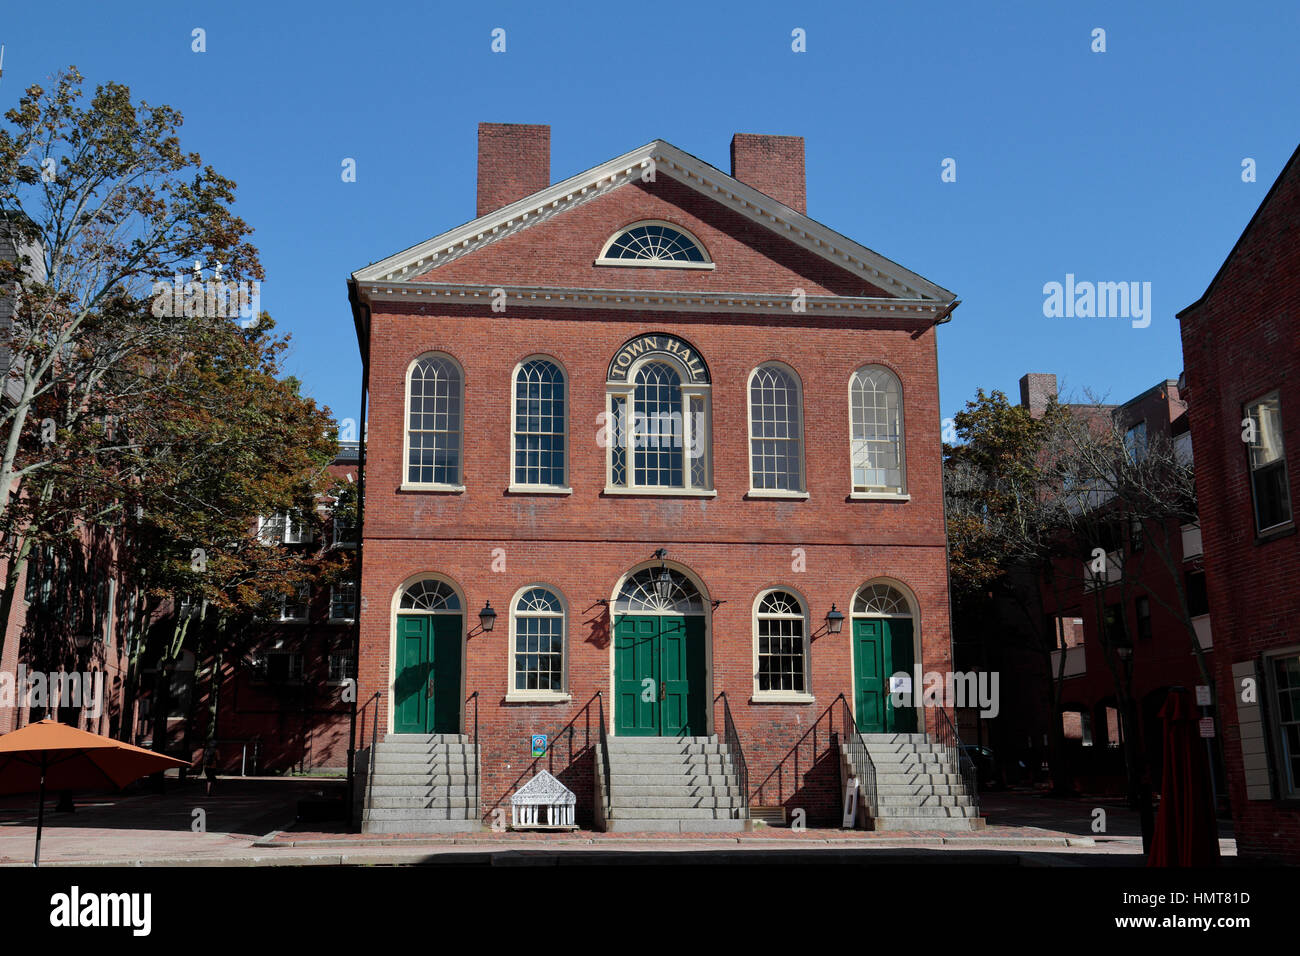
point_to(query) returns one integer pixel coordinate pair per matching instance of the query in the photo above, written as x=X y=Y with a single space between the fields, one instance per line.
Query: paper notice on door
x=900 y=684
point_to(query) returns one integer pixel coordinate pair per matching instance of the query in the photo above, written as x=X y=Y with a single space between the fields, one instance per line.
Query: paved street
x=251 y=822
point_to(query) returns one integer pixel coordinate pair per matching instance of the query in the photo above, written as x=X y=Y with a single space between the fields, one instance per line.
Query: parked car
x=987 y=769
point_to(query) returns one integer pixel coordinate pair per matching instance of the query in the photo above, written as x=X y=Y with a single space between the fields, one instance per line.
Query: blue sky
x=1115 y=166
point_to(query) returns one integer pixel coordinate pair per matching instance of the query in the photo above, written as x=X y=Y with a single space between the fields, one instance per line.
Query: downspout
x=363 y=342
x=944 y=317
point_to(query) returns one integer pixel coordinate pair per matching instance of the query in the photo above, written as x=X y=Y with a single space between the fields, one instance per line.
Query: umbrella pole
x=40 y=810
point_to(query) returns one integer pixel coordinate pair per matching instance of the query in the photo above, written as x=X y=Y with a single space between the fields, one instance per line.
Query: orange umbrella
x=50 y=754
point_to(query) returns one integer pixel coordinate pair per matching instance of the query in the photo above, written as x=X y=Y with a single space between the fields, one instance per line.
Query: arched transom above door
x=429 y=595
x=640 y=594
x=881 y=600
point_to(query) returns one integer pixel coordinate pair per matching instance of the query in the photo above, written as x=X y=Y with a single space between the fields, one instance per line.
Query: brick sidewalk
x=251 y=822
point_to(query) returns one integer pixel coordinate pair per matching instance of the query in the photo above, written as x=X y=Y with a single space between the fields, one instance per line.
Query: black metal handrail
x=604 y=760
x=478 y=757
x=946 y=734
x=732 y=738
x=856 y=751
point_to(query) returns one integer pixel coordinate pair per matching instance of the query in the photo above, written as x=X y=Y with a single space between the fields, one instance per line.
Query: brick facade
x=1240 y=342
x=490 y=543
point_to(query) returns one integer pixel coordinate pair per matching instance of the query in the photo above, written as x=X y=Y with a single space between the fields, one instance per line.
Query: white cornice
x=422 y=293
x=668 y=160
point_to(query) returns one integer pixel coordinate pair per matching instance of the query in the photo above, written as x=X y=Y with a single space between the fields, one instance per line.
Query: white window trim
x=883 y=495
x=1250 y=468
x=304 y=601
x=1276 y=760
x=342 y=620
x=783 y=696
x=339 y=682
x=604 y=260
x=627 y=391
x=802 y=490
x=534 y=696
x=515 y=487
x=408 y=485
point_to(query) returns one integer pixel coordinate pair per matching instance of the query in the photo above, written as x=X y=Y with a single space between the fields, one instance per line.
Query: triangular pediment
x=420 y=263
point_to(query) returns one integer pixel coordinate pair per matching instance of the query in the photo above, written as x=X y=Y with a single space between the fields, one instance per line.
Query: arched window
x=538 y=624
x=434 y=423
x=654 y=243
x=881 y=600
x=780 y=644
x=640 y=594
x=430 y=595
x=876 y=423
x=775 y=430
x=658 y=429
x=540 y=425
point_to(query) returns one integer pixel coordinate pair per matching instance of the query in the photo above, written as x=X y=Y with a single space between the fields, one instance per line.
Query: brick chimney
x=772 y=165
x=1036 y=390
x=514 y=161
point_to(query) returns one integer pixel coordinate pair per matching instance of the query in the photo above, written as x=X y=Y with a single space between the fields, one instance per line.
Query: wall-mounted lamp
x=664 y=582
x=487 y=617
x=834 y=620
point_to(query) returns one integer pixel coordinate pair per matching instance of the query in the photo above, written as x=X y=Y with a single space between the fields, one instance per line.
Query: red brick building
x=662 y=423
x=1081 y=609
x=1241 y=351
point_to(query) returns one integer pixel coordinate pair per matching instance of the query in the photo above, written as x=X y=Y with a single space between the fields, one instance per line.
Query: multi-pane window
x=294 y=608
x=539 y=424
x=343 y=601
x=539 y=642
x=434 y=426
x=278 y=667
x=1267 y=458
x=1286 y=681
x=654 y=243
x=659 y=431
x=658 y=457
x=775 y=430
x=876 y=424
x=780 y=636
x=283 y=528
x=1135 y=442
x=340 y=667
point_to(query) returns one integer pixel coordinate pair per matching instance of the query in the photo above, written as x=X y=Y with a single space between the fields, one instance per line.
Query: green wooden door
x=636 y=676
x=426 y=691
x=881 y=647
x=660 y=676
x=901 y=659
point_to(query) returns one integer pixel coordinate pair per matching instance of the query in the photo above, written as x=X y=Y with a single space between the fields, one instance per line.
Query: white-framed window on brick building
x=283 y=527
x=775 y=431
x=538 y=634
x=340 y=666
x=654 y=243
x=1266 y=459
x=876 y=433
x=780 y=646
x=434 y=422
x=659 y=431
x=540 y=427
x=295 y=607
x=343 y=601
x=1284 y=700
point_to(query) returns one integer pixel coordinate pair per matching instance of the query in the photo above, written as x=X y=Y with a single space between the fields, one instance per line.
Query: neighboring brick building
x=1241 y=352
x=537 y=381
x=281 y=705
x=1162 y=656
